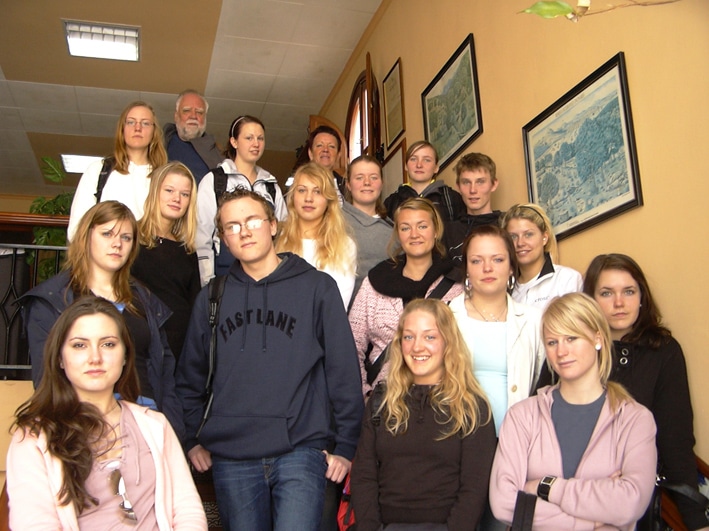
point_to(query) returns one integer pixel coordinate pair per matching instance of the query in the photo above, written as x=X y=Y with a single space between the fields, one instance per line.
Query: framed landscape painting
x=393 y=90
x=582 y=165
x=451 y=105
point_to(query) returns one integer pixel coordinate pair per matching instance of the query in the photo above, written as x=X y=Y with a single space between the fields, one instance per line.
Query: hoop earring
x=466 y=285
x=511 y=283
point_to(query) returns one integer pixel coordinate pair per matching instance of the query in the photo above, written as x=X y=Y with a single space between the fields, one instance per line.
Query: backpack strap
x=216 y=290
x=106 y=170
x=271 y=188
x=373 y=368
x=220 y=179
x=376 y=398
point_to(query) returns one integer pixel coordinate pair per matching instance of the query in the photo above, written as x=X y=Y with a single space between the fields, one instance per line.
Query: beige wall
x=13 y=394
x=15 y=203
x=524 y=64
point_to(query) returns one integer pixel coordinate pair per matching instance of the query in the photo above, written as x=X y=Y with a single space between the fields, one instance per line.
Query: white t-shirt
x=130 y=189
x=345 y=278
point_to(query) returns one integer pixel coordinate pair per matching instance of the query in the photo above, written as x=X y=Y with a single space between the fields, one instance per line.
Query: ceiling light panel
x=103 y=41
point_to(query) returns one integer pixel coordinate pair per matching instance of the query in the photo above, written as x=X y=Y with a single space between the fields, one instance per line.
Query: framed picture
x=395 y=124
x=582 y=166
x=394 y=170
x=451 y=105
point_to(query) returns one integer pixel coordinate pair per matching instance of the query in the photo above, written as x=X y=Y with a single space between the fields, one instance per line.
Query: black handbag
x=524 y=511
x=652 y=519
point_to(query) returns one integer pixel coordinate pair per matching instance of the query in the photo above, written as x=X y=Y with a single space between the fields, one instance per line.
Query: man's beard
x=190 y=132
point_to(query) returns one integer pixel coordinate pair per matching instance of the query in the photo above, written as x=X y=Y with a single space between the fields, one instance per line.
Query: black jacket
x=42 y=305
x=657 y=378
x=448 y=202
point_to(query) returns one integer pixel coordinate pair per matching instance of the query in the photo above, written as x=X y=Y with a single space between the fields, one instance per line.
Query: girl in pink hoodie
x=583 y=446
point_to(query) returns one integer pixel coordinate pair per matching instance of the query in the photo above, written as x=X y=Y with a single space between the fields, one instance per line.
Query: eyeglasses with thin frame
x=145 y=124
x=251 y=224
x=118 y=485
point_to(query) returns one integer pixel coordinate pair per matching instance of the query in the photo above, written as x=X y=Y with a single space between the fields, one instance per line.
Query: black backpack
x=220 y=180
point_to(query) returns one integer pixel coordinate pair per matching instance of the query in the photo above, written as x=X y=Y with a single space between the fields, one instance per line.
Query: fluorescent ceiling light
x=77 y=163
x=103 y=41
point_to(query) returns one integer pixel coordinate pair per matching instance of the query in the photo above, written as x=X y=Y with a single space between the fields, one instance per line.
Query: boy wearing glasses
x=286 y=382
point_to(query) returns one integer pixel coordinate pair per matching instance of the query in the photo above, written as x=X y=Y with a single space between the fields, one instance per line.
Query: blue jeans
x=281 y=493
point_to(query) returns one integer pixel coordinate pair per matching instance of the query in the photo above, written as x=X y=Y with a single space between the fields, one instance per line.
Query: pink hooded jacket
x=34 y=478
x=623 y=442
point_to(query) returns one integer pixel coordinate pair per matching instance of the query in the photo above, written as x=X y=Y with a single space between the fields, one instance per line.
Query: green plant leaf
x=53 y=170
x=549 y=9
x=37 y=205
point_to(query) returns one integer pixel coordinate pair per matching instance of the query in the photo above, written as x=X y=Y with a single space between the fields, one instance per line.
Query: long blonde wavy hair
x=332 y=238
x=455 y=399
x=575 y=314
x=184 y=229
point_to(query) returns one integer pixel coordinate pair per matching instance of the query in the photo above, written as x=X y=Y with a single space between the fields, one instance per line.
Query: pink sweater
x=622 y=442
x=34 y=478
x=374 y=318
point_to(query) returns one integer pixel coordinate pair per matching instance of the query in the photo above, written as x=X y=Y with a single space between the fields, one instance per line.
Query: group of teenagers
x=426 y=346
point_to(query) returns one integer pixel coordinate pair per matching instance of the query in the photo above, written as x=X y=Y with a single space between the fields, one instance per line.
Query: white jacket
x=553 y=281
x=207 y=238
x=525 y=346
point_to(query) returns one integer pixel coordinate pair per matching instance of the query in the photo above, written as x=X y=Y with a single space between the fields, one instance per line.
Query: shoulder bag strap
x=216 y=290
x=439 y=291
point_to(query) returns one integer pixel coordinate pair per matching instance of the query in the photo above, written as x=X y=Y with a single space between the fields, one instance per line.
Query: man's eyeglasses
x=145 y=124
x=118 y=486
x=252 y=224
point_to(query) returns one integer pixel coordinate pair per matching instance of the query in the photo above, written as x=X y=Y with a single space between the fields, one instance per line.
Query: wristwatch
x=545 y=486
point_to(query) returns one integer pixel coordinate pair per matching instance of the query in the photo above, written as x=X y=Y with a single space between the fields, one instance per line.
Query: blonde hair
x=332 y=239
x=574 y=314
x=538 y=216
x=455 y=399
x=157 y=156
x=185 y=228
x=394 y=248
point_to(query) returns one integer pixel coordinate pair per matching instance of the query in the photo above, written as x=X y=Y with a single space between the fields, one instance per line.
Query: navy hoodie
x=286 y=372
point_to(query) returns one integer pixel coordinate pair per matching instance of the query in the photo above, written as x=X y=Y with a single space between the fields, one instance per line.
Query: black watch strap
x=545 y=486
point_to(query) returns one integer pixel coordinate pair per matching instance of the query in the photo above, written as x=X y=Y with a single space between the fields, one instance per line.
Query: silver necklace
x=493 y=317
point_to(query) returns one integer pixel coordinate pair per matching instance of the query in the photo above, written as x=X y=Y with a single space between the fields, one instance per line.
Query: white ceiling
x=274 y=59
